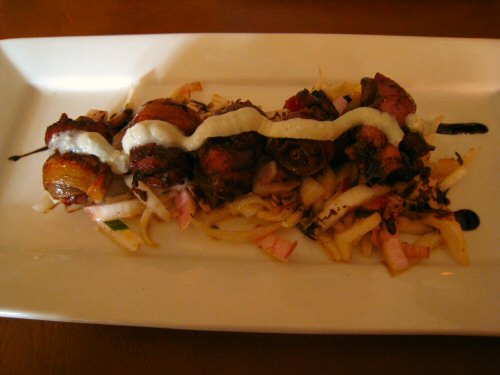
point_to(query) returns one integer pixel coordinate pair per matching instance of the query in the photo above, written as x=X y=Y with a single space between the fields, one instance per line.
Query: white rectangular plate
x=58 y=266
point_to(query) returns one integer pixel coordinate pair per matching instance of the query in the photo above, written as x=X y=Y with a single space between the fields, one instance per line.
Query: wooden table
x=38 y=347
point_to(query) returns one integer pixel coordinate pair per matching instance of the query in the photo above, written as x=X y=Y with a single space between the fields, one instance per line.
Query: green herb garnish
x=116 y=224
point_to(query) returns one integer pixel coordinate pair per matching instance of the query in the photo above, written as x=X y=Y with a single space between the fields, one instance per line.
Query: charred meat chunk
x=82 y=123
x=315 y=105
x=163 y=109
x=159 y=166
x=76 y=179
x=156 y=165
x=178 y=114
x=227 y=166
x=233 y=106
x=384 y=94
x=377 y=159
x=302 y=157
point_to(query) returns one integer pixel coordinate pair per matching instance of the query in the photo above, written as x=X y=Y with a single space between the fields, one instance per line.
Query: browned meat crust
x=160 y=166
x=386 y=95
x=178 y=114
x=81 y=123
x=227 y=166
x=76 y=179
x=301 y=157
x=315 y=105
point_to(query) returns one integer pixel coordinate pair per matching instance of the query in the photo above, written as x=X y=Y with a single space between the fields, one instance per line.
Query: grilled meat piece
x=82 y=123
x=164 y=109
x=304 y=157
x=382 y=162
x=315 y=105
x=301 y=157
x=159 y=166
x=384 y=94
x=376 y=158
x=76 y=179
x=178 y=114
x=228 y=165
x=233 y=106
x=119 y=120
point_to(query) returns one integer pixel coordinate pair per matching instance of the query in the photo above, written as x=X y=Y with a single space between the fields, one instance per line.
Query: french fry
x=328 y=180
x=459 y=173
x=293 y=219
x=339 y=205
x=358 y=229
x=217 y=215
x=281 y=215
x=327 y=243
x=248 y=205
x=310 y=191
x=443 y=167
x=431 y=240
x=417 y=227
x=453 y=236
x=366 y=245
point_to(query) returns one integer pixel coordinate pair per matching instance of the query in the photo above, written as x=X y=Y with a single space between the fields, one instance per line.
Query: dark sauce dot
x=462 y=128
x=468 y=219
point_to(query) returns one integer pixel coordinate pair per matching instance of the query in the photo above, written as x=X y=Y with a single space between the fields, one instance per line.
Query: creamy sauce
x=249 y=119
x=225 y=125
x=90 y=143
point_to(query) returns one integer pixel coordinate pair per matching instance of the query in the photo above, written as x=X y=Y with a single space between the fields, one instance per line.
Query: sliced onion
x=413 y=251
x=276 y=246
x=453 y=236
x=45 y=204
x=311 y=191
x=97 y=115
x=183 y=93
x=113 y=211
x=186 y=208
x=144 y=225
x=126 y=238
x=394 y=255
x=336 y=207
x=248 y=205
x=431 y=240
x=237 y=236
x=151 y=201
x=278 y=215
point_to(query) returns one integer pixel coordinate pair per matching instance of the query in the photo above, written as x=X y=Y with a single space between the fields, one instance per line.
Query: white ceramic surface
x=58 y=266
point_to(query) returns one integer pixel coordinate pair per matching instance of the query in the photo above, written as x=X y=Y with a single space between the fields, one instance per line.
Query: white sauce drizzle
x=90 y=143
x=249 y=119
x=232 y=123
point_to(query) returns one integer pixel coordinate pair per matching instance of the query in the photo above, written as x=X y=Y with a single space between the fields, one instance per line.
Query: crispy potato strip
x=453 y=236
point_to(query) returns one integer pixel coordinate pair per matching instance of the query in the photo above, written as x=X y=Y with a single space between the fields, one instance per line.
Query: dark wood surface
x=39 y=347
